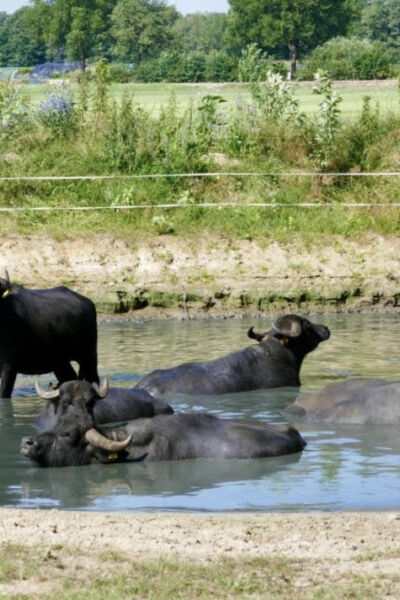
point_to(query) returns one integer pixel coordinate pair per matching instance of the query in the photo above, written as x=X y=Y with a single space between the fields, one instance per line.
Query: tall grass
x=88 y=132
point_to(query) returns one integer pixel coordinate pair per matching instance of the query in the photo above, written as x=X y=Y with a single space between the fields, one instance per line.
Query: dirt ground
x=164 y=276
x=331 y=545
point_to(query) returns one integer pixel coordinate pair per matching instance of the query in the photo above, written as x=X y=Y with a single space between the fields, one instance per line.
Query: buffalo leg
x=65 y=372
x=8 y=377
x=88 y=371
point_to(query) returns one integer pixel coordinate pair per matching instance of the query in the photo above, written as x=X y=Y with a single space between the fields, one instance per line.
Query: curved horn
x=98 y=440
x=287 y=326
x=256 y=336
x=46 y=394
x=7 y=276
x=102 y=389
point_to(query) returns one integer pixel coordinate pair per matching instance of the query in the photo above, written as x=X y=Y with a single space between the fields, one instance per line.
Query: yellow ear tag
x=5 y=294
x=113 y=456
x=284 y=341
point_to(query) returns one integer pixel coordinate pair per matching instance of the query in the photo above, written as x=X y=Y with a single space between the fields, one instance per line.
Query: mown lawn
x=154 y=95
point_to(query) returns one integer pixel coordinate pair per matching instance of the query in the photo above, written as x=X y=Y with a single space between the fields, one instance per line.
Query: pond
x=342 y=468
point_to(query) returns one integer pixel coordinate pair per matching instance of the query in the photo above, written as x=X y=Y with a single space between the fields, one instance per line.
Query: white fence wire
x=180 y=205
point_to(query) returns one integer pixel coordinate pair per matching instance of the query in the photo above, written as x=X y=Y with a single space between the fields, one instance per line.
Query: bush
x=120 y=73
x=348 y=58
x=166 y=67
x=172 y=66
x=220 y=66
x=254 y=65
x=57 y=113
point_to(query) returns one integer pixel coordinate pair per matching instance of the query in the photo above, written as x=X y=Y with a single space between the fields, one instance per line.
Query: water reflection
x=342 y=467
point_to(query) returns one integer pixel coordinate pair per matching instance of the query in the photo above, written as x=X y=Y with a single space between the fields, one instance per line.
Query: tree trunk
x=293 y=60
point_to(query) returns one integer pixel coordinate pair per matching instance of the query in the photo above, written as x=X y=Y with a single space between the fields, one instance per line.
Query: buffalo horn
x=7 y=277
x=102 y=389
x=257 y=336
x=46 y=394
x=100 y=441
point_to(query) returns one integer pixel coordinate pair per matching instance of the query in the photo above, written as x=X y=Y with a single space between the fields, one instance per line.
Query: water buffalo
x=360 y=401
x=41 y=331
x=106 y=404
x=274 y=362
x=75 y=439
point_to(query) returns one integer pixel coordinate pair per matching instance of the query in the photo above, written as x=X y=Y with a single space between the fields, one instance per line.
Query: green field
x=153 y=95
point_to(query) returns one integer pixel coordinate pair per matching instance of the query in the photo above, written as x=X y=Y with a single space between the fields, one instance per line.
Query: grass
x=154 y=95
x=130 y=140
x=72 y=574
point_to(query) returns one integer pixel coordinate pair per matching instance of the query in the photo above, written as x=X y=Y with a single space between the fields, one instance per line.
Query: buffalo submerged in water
x=42 y=331
x=362 y=401
x=274 y=362
x=76 y=440
x=104 y=403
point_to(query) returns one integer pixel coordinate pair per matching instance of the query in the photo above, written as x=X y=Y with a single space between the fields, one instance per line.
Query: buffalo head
x=74 y=439
x=295 y=332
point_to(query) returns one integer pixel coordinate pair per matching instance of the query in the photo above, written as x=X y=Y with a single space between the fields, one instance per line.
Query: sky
x=183 y=6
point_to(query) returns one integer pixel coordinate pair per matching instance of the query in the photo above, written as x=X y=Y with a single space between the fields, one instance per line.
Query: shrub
x=220 y=66
x=348 y=58
x=14 y=108
x=254 y=65
x=172 y=66
x=120 y=73
x=57 y=112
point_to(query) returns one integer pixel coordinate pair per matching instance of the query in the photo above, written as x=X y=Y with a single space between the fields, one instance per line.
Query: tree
x=380 y=20
x=294 y=24
x=71 y=20
x=202 y=32
x=80 y=37
x=21 y=38
x=142 y=28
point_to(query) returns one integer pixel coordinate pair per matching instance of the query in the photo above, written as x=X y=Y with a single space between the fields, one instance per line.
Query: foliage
x=57 y=113
x=202 y=32
x=349 y=58
x=380 y=21
x=328 y=120
x=297 y=25
x=269 y=133
x=173 y=66
x=254 y=64
x=209 y=121
x=142 y=28
x=14 y=109
x=79 y=40
x=120 y=72
x=21 y=38
x=275 y=98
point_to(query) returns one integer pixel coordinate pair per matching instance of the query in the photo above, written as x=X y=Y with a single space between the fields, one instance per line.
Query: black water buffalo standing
x=41 y=331
x=362 y=401
x=274 y=362
x=75 y=440
x=106 y=404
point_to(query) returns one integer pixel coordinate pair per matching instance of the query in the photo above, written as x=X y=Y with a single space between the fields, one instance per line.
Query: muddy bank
x=166 y=276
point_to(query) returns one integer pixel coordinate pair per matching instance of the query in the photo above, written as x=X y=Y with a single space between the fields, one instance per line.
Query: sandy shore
x=330 y=545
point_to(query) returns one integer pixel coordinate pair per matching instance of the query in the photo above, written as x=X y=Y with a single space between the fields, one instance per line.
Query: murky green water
x=342 y=468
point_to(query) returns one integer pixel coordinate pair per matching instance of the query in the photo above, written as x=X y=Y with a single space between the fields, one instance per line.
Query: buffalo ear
x=255 y=335
x=289 y=326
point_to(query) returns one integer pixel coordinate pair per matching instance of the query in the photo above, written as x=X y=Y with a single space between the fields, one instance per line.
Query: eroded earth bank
x=166 y=276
